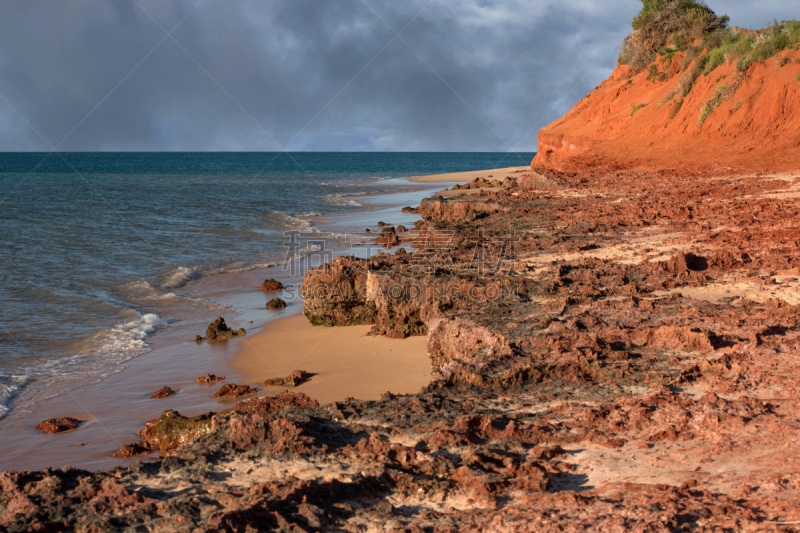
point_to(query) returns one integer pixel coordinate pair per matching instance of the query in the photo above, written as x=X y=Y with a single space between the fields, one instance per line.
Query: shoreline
x=115 y=407
x=624 y=359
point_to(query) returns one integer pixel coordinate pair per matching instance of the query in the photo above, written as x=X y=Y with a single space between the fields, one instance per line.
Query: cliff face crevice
x=726 y=122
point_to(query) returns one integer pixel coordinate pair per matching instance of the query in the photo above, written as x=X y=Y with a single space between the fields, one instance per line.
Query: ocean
x=99 y=251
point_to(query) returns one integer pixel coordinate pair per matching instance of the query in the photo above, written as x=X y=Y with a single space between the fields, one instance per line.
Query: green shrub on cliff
x=692 y=11
x=664 y=27
x=667 y=21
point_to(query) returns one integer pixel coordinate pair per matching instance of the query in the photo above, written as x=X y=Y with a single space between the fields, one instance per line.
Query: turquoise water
x=98 y=250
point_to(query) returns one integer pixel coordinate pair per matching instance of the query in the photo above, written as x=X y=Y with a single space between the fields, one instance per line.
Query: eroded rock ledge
x=619 y=352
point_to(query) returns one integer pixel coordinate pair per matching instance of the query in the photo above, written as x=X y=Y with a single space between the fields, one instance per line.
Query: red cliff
x=637 y=121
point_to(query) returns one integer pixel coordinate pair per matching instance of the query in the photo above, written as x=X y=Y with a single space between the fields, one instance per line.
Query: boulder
x=271 y=285
x=219 y=330
x=59 y=425
x=296 y=378
x=132 y=450
x=172 y=429
x=388 y=236
x=334 y=294
x=165 y=392
x=208 y=379
x=232 y=390
x=276 y=304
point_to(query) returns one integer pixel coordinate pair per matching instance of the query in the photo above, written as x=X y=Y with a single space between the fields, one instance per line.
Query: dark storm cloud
x=306 y=74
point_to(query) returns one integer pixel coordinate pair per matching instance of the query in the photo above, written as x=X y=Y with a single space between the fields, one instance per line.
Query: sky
x=297 y=75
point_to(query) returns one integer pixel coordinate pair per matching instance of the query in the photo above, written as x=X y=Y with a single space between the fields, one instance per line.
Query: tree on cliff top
x=663 y=21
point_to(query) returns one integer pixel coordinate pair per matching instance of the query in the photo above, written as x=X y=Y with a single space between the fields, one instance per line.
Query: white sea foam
x=10 y=386
x=342 y=200
x=102 y=357
x=180 y=277
x=138 y=285
x=128 y=339
x=287 y=221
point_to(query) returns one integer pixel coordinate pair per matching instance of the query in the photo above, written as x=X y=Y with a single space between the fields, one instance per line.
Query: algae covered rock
x=172 y=430
x=276 y=304
x=296 y=378
x=219 y=330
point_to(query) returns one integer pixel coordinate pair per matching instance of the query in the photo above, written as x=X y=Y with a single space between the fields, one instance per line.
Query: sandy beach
x=345 y=361
x=459 y=177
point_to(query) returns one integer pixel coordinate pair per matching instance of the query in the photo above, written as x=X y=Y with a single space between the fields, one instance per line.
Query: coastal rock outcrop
x=388 y=236
x=627 y=325
x=334 y=294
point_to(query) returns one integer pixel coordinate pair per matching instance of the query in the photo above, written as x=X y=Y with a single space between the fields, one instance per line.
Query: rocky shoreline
x=611 y=351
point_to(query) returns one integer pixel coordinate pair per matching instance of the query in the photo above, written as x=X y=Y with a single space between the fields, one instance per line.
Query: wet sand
x=346 y=361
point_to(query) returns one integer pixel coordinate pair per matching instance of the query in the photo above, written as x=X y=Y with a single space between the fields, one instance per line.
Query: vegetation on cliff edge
x=664 y=28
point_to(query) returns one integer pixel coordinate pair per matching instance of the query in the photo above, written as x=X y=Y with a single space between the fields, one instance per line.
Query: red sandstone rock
x=208 y=379
x=59 y=425
x=164 y=392
x=336 y=294
x=273 y=403
x=271 y=285
x=132 y=450
x=232 y=391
